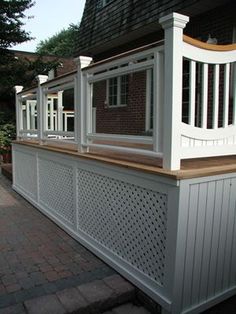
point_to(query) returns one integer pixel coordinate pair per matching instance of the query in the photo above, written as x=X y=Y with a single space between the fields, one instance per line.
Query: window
x=117 y=91
x=102 y=3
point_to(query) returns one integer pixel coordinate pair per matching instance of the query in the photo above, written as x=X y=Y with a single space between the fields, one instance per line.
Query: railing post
x=173 y=24
x=81 y=103
x=40 y=110
x=18 y=89
x=60 y=111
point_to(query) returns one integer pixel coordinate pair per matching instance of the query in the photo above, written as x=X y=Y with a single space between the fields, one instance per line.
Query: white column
x=18 y=107
x=173 y=24
x=40 y=107
x=32 y=114
x=51 y=115
x=60 y=111
x=81 y=94
x=27 y=114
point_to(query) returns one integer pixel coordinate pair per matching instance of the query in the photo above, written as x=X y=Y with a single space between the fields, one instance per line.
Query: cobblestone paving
x=37 y=257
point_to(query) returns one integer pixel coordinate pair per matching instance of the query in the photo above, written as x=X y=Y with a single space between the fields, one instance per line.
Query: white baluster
x=226 y=95
x=192 y=91
x=216 y=96
x=204 y=96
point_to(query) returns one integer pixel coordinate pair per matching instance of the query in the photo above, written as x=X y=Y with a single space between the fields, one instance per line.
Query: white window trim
x=148 y=100
x=119 y=105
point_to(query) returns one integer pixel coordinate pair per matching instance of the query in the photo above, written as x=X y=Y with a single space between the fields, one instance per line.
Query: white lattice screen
x=26 y=172
x=56 y=189
x=126 y=219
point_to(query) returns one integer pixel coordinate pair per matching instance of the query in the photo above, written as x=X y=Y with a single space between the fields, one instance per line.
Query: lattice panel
x=25 y=173
x=56 y=189
x=127 y=219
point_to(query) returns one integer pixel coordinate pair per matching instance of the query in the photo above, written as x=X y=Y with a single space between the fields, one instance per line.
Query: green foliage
x=7 y=134
x=11 y=16
x=14 y=71
x=62 y=44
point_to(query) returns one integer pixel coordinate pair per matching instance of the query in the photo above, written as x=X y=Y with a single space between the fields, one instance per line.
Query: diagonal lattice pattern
x=127 y=219
x=56 y=188
x=25 y=173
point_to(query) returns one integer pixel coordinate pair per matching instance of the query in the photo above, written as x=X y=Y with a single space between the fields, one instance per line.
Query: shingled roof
x=118 y=22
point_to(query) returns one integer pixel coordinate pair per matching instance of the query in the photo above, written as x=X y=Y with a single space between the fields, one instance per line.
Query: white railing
x=202 y=135
x=202 y=125
x=145 y=60
x=215 y=133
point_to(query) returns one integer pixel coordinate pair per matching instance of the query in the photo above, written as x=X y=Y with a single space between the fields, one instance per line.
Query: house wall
x=129 y=119
x=123 y=25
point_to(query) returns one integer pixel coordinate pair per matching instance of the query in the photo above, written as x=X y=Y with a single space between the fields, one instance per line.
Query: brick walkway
x=43 y=270
x=39 y=260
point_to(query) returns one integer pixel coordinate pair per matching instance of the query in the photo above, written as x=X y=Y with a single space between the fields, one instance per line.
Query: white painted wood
x=226 y=95
x=216 y=96
x=53 y=124
x=124 y=60
x=200 y=218
x=173 y=25
x=27 y=115
x=215 y=239
x=82 y=62
x=190 y=246
x=232 y=276
x=199 y=243
x=192 y=100
x=230 y=236
x=76 y=109
x=59 y=81
x=126 y=150
x=33 y=105
x=148 y=100
x=59 y=88
x=133 y=67
x=121 y=137
x=209 y=134
x=208 y=56
x=18 y=89
x=234 y=94
x=60 y=111
x=207 y=240
x=41 y=119
x=158 y=101
x=204 y=95
x=222 y=236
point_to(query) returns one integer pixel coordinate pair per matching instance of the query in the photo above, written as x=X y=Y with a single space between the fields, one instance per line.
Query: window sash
x=117 y=91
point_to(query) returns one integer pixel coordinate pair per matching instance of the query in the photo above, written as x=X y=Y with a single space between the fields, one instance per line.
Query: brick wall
x=122 y=120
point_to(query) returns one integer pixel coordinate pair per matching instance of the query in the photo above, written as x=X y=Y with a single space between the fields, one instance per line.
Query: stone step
x=94 y=297
x=128 y=308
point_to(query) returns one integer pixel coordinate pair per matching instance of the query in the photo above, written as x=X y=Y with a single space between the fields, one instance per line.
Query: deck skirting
x=174 y=239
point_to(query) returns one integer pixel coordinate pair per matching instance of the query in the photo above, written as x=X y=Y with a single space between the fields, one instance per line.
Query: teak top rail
x=202 y=45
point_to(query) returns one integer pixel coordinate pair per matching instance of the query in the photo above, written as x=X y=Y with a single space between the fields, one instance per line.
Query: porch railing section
x=146 y=60
x=193 y=99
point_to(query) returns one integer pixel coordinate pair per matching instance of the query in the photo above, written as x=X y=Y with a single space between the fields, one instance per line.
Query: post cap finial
x=18 y=88
x=83 y=61
x=174 y=20
x=41 y=78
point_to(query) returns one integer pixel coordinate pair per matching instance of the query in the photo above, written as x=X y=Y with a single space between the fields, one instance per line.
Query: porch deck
x=161 y=207
x=190 y=168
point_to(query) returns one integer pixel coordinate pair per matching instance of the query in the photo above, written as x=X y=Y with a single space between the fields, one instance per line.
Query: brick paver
x=43 y=270
x=37 y=258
